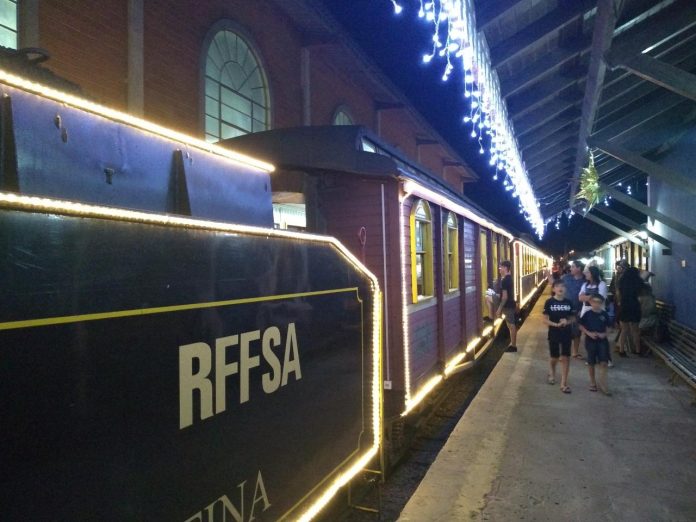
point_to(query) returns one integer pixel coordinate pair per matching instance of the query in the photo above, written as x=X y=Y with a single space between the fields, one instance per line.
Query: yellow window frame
x=450 y=235
x=427 y=252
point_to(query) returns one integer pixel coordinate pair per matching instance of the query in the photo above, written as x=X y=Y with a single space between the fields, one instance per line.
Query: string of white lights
x=456 y=40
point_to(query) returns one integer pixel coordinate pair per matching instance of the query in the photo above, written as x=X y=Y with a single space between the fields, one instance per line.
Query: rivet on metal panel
x=109 y=175
x=58 y=121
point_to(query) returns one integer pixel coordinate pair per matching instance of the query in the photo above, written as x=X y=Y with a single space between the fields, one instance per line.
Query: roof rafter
x=605 y=21
x=538 y=30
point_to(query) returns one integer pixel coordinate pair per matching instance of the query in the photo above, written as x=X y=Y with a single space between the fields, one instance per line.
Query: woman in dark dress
x=630 y=287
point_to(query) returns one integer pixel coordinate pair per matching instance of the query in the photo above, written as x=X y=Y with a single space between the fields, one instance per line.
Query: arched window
x=421 y=251
x=342 y=118
x=451 y=243
x=8 y=23
x=236 y=91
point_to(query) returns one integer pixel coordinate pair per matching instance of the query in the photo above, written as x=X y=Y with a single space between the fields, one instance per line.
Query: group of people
x=581 y=304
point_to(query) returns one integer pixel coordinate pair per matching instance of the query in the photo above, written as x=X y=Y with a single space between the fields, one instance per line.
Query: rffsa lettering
x=244 y=347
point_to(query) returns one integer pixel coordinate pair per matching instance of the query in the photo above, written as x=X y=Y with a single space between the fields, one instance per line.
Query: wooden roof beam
x=552 y=180
x=635 y=119
x=538 y=30
x=615 y=230
x=617 y=216
x=602 y=34
x=556 y=125
x=570 y=114
x=543 y=174
x=488 y=12
x=527 y=101
x=678 y=53
x=648 y=211
x=657 y=72
x=545 y=114
x=545 y=65
x=649 y=167
x=553 y=139
x=551 y=168
x=540 y=156
x=657 y=29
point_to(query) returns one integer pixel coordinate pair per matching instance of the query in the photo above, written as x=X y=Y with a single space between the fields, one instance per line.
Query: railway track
x=433 y=432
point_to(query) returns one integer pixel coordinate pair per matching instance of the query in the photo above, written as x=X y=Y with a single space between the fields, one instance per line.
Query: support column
x=602 y=35
x=28 y=23
x=136 y=76
x=305 y=81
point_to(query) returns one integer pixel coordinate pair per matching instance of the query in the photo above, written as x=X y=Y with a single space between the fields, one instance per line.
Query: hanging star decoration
x=589 y=184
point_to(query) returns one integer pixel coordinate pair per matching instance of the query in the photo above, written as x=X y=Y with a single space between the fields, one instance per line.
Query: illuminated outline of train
x=384 y=209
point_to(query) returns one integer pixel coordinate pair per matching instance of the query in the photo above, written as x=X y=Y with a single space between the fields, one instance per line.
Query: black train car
x=160 y=343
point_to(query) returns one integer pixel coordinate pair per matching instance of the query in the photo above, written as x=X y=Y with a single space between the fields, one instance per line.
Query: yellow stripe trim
x=30 y=323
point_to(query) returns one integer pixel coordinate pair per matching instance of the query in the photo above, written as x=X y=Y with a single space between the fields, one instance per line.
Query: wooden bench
x=679 y=351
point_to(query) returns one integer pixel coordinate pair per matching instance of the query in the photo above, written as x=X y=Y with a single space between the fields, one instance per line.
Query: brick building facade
x=149 y=58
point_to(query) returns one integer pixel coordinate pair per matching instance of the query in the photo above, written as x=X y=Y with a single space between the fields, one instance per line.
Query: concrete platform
x=525 y=451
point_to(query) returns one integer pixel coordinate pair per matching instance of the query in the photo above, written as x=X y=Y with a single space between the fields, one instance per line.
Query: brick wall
x=88 y=44
x=331 y=88
x=173 y=51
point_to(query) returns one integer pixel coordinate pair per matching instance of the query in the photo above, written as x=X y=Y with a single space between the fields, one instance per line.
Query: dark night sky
x=397 y=44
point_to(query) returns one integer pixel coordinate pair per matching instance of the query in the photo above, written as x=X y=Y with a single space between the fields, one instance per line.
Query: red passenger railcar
x=434 y=251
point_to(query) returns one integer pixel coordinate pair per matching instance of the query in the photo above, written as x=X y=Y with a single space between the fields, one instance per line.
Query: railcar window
x=342 y=118
x=368 y=146
x=421 y=251
x=8 y=23
x=289 y=216
x=236 y=90
x=451 y=237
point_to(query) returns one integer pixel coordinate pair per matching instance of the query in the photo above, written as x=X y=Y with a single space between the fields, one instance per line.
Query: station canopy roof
x=616 y=76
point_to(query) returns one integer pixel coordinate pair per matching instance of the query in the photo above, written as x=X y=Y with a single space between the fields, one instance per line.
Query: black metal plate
x=91 y=406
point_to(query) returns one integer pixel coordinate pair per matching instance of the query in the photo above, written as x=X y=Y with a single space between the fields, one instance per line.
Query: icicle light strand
x=456 y=41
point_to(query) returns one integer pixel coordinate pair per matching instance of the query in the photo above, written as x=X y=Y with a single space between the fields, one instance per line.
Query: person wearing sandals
x=559 y=313
x=594 y=284
x=573 y=283
x=593 y=324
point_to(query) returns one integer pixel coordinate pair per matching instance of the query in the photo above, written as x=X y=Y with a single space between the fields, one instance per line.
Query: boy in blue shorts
x=560 y=315
x=594 y=325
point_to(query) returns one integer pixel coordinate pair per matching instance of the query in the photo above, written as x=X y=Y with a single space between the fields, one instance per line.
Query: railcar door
x=483 y=253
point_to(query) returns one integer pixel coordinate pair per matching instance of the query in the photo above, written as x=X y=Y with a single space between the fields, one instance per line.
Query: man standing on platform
x=508 y=306
x=573 y=283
